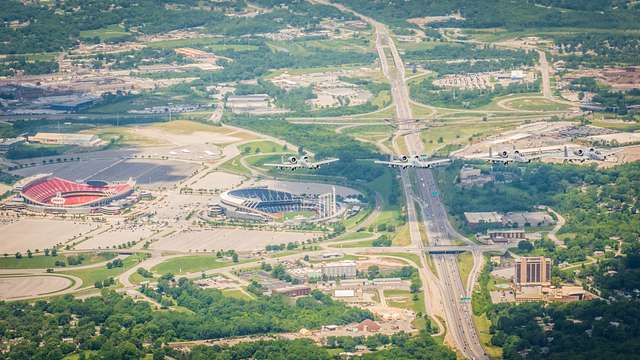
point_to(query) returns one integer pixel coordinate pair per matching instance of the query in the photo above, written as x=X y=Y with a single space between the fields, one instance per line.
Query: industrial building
x=7 y=144
x=83 y=140
x=249 y=103
x=477 y=218
x=506 y=235
x=346 y=269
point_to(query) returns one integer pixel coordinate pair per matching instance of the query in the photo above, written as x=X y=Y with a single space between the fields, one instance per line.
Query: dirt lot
x=227 y=239
x=218 y=180
x=34 y=234
x=21 y=286
x=620 y=138
x=110 y=238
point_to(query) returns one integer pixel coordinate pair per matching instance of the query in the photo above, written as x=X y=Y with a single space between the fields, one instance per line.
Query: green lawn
x=235 y=166
x=353 y=244
x=237 y=294
x=355 y=235
x=408 y=256
x=262 y=146
x=192 y=263
x=483 y=324
x=536 y=104
x=465 y=264
x=106 y=33
x=91 y=276
x=41 y=261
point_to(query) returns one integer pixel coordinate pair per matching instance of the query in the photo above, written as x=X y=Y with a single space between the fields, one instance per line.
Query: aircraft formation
x=424 y=161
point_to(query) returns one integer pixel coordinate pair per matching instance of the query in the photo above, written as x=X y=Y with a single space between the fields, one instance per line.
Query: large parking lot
x=227 y=239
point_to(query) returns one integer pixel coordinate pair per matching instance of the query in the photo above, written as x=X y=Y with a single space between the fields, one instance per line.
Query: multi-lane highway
x=451 y=290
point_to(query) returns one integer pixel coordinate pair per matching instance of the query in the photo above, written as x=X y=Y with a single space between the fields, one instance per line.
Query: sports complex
x=47 y=193
x=262 y=203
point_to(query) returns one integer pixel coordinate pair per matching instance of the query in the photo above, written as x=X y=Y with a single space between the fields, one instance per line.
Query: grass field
x=355 y=235
x=106 y=33
x=123 y=136
x=262 y=146
x=193 y=263
x=536 y=104
x=235 y=166
x=411 y=257
x=465 y=264
x=91 y=276
x=459 y=134
x=403 y=237
x=237 y=294
x=408 y=303
x=483 y=324
x=41 y=261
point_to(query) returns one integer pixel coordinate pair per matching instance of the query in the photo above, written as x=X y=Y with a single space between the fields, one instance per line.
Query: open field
x=261 y=146
x=41 y=261
x=189 y=264
x=90 y=276
x=235 y=166
x=458 y=134
x=465 y=264
x=536 y=104
x=105 y=33
x=483 y=324
x=113 y=238
x=22 y=286
x=32 y=234
x=124 y=136
x=227 y=239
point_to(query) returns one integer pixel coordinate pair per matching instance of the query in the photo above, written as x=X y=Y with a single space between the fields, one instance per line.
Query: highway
x=451 y=290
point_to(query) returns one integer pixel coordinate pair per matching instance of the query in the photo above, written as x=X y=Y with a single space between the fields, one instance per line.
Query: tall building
x=327 y=204
x=533 y=270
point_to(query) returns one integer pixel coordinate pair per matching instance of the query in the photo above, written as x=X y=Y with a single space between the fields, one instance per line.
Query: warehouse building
x=84 y=140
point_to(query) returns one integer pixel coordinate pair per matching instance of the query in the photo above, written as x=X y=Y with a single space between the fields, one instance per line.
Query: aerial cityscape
x=319 y=179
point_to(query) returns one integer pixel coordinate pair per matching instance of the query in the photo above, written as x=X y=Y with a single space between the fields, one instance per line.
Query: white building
x=340 y=269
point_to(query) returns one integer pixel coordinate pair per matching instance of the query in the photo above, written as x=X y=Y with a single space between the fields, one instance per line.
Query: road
x=458 y=315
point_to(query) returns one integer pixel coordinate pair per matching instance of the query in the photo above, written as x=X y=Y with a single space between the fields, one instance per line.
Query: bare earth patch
x=23 y=286
x=227 y=239
x=32 y=234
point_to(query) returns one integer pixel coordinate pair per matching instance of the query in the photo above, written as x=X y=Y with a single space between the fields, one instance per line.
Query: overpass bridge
x=457 y=249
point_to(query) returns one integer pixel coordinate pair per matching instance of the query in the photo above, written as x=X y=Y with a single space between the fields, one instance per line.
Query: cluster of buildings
x=47 y=138
x=486 y=80
x=329 y=89
x=532 y=282
x=510 y=219
x=252 y=104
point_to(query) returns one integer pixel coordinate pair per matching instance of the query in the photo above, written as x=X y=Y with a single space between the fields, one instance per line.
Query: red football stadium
x=48 y=191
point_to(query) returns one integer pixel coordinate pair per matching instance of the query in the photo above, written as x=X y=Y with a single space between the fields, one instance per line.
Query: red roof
x=73 y=193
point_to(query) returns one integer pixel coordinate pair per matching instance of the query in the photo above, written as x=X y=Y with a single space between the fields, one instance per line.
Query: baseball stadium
x=267 y=204
x=45 y=191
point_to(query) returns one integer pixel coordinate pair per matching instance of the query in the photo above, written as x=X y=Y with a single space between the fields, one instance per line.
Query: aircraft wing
x=283 y=165
x=323 y=162
x=495 y=159
x=431 y=163
x=394 y=163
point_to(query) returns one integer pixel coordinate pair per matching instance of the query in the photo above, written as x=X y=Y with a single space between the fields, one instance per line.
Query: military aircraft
x=505 y=157
x=304 y=162
x=415 y=161
x=583 y=154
